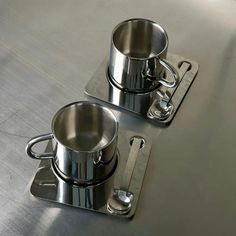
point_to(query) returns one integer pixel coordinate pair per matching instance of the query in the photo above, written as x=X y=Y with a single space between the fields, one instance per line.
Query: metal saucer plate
x=47 y=185
x=159 y=105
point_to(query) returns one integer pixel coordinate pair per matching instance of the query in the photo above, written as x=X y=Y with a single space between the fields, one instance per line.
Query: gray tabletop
x=48 y=52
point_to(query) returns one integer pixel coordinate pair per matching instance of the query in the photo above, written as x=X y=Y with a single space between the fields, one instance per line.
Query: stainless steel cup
x=137 y=56
x=84 y=137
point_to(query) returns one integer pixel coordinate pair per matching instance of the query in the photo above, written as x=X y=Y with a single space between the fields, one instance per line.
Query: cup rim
x=140 y=19
x=92 y=104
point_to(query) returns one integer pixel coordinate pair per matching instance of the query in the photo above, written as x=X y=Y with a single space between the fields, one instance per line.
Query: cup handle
x=173 y=72
x=35 y=140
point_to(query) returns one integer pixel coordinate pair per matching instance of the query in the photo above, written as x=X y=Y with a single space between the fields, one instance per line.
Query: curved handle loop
x=173 y=72
x=35 y=140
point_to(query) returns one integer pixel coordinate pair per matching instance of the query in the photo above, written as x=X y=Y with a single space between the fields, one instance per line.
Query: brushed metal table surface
x=48 y=52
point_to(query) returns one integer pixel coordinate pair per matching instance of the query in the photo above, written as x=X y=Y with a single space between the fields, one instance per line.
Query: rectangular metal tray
x=140 y=104
x=47 y=185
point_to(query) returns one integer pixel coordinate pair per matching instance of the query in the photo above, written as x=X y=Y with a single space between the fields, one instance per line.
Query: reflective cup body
x=84 y=137
x=137 y=56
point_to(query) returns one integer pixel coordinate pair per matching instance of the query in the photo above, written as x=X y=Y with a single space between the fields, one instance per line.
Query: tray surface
x=159 y=105
x=47 y=185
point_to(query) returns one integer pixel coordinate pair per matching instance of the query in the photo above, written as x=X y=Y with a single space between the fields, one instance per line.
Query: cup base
x=155 y=85
x=69 y=179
